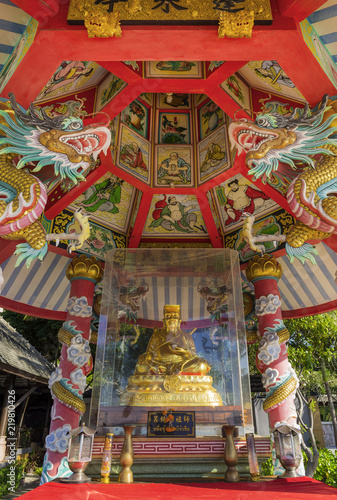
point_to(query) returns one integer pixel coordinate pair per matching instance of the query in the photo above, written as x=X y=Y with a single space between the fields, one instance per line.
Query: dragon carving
x=306 y=141
x=32 y=141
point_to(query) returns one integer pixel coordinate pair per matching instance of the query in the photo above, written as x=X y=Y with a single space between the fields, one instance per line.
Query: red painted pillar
x=278 y=377
x=68 y=381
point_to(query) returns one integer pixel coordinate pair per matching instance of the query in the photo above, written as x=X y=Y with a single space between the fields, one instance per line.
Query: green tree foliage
x=41 y=333
x=325 y=472
x=312 y=348
x=313 y=339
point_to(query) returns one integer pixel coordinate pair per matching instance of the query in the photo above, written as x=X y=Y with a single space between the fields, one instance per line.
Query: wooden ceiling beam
x=38 y=9
x=301 y=66
x=150 y=43
x=207 y=215
x=122 y=100
x=138 y=228
x=119 y=69
x=227 y=69
x=299 y=9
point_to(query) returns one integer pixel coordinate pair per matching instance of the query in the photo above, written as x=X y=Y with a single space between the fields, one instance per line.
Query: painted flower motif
x=213 y=107
x=98 y=243
x=55 y=377
x=78 y=306
x=58 y=440
x=267 y=305
x=269 y=377
x=79 y=352
x=209 y=110
x=78 y=378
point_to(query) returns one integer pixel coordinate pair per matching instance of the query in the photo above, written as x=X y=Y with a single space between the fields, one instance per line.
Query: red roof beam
x=299 y=9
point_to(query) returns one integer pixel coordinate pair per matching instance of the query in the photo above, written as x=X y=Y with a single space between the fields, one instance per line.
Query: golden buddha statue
x=170 y=372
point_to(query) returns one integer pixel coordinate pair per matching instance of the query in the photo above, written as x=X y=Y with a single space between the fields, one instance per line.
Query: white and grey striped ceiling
x=45 y=285
x=324 y=21
x=13 y=22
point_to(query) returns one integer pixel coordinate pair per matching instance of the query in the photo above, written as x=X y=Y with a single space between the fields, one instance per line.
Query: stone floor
x=28 y=483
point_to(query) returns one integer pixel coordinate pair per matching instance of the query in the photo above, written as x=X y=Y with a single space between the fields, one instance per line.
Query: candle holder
x=126 y=459
x=288 y=450
x=231 y=456
x=79 y=454
x=252 y=457
x=106 y=460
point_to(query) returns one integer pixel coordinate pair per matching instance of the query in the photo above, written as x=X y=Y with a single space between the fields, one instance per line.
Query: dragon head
x=291 y=138
x=61 y=141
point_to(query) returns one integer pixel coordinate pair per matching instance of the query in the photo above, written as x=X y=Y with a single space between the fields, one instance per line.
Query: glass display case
x=171 y=338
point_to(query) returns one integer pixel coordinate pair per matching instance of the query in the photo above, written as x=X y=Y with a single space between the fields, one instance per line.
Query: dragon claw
x=26 y=252
x=302 y=253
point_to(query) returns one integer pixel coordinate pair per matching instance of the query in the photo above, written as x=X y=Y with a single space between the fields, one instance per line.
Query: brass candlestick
x=126 y=459
x=231 y=456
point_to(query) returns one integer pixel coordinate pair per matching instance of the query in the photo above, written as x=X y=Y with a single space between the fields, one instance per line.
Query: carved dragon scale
x=30 y=142
x=306 y=139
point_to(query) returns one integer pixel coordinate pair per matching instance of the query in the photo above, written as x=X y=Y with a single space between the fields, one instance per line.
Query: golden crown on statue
x=168 y=308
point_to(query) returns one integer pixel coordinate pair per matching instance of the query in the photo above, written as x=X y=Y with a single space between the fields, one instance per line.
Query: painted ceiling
x=168 y=95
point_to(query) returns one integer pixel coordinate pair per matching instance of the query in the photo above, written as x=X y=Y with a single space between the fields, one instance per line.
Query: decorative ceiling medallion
x=164 y=11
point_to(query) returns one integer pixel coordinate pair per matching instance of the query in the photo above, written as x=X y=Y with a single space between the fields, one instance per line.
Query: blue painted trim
x=6 y=49
x=11 y=280
x=8 y=2
x=190 y=299
x=265 y=278
x=286 y=301
x=12 y=27
x=62 y=298
x=323 y=14
x=144 y=307
x=179 y=290
x=292 y=291
x=318 y=285
x=26 y=284
x=167 y=290
x=155 y=298
x=86 y=279
x=329 y=37
x=55 y=286
x=304 y=286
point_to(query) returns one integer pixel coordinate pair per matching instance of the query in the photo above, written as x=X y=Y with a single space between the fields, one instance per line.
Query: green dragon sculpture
x=302 y=139
x=32 y=141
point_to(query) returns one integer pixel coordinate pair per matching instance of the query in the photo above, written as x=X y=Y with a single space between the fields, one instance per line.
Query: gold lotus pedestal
x=170 y=390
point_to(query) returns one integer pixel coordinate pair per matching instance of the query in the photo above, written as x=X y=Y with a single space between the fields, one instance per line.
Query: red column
x=68 y=381
x=278 y=377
